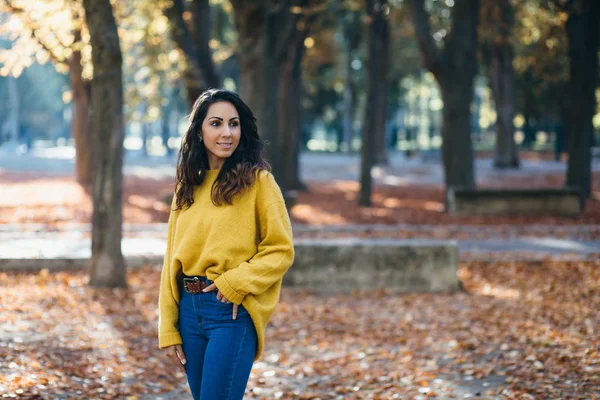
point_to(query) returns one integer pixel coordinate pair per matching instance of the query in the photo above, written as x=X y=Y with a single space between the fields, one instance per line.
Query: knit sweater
x=245 y=248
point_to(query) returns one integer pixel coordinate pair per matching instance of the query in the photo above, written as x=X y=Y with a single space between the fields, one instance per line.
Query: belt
x=194 y=284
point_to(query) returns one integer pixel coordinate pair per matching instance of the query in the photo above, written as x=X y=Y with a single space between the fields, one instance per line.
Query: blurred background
x=468 y=121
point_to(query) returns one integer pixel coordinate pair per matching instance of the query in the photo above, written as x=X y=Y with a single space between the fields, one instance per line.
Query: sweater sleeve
x=275 y=252
x=168 y=307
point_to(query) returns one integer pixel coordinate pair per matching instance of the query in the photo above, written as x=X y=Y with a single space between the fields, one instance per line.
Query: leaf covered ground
x=56 y=200
x=517 y=331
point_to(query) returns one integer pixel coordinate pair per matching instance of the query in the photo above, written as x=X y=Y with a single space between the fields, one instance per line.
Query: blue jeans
x=219 y=350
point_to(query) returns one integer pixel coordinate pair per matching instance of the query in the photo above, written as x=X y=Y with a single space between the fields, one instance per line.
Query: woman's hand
x=222 y=298
x=175 y=353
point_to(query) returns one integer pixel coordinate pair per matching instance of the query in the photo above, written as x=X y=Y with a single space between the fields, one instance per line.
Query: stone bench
x=561 y=201
x=344 y=264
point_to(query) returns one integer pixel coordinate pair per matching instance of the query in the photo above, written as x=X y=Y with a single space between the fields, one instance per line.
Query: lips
x=225 y=144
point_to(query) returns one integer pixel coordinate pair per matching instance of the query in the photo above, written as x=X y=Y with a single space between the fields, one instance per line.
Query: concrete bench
x=561 y=201
x=344 y=264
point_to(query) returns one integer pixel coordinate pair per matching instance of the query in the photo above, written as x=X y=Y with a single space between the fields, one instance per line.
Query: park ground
x=519 y=328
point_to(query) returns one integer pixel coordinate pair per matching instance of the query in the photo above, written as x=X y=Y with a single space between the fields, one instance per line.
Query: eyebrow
x=221 y=119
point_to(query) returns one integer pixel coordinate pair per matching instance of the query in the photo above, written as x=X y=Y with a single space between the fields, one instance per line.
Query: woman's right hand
x=175 y=353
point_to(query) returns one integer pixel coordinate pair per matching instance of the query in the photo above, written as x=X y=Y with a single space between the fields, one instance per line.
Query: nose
x=227 y=131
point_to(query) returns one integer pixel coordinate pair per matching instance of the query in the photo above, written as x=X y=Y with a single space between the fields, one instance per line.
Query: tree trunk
x=503 y=89
x=502 y=81
x=107 y=268
x=454 y=68
x=80 y=129
x=376 y=63
x=457 y=151
x=265 y=30
x=383 y=46
x=290 y=124
x=199 y=72
x=201 y=15
x=582 y=32
x=250 y=25
x=351 y=29
x=165 y=125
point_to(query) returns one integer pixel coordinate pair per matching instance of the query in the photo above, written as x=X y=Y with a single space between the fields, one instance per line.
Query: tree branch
x=430 y=54
x=183 y=39
x=201 y=18
x=22 y=14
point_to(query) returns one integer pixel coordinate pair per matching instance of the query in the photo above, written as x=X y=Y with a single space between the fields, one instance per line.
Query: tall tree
x=290 y=93
x=376 y=98
x=107 y=267
x=266 y=30
x=454 y=67
x=80 y=129
x=583 y=34
x=55 y=32
x=498 y=50
x=382 y=42
x=352 y=32
x=192 y=36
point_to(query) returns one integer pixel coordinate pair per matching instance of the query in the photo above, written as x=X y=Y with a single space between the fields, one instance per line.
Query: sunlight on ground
x=391 y=202
x=146 y=203
x=486 y=288
x=41 y=192
x=306 y=213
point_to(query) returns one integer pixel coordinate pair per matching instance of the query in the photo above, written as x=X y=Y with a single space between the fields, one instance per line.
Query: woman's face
x=220 y=133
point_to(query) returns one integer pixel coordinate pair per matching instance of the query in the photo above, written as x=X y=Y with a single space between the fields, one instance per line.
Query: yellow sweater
x=245 y=248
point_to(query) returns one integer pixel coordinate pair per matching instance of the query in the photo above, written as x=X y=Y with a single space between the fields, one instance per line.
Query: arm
x=168 y=333
x=275 y=251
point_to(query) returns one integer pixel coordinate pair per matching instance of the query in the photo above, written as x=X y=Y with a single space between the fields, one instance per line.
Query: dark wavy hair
x=238 y=172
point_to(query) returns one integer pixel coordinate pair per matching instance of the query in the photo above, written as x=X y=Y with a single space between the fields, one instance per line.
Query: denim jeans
x=219 y=350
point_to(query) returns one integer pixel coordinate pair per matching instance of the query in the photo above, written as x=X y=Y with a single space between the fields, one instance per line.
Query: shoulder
x=267 y=186
x=265 y=177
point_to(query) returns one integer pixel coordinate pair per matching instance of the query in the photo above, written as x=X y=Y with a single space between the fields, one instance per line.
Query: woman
x=229 y=245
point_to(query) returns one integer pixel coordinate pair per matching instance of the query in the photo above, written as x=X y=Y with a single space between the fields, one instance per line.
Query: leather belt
x=193 y=284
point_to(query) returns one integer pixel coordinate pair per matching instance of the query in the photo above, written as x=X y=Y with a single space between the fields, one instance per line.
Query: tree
x=199 y=72
x=352 y=34
x=376 y=99
x=498 y=50
x=266 y=31
x=107 y=267
x=583 y=34
x=54 y=32
x=290 y=92
x=380 y=30
x=454 y=67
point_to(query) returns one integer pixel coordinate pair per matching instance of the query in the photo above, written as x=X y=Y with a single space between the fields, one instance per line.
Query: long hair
x=239 y=171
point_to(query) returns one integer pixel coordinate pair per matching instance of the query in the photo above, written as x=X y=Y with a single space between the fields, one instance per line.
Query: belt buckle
x=194 y=280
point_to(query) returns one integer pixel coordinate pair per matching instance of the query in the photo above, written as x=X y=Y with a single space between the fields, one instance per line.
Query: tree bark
x=80 y=129
x=377 y=39
x=199 y=71
x=351 y=28
x=383 y=51
x=583 y=33
x=290 y=123
x=250 y=24
x=201 y=15
x=265 y=30
x=166 y=125
x=457 y=151
x=107 y=267
x=500 y=55
x=454 y=68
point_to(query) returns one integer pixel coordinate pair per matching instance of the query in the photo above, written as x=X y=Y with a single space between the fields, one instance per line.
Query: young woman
x=229 y=245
